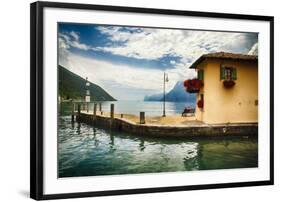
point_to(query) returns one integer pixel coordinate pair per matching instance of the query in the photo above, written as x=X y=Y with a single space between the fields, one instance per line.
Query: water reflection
x=111 y=143
x=141 y=145
x=88 y=151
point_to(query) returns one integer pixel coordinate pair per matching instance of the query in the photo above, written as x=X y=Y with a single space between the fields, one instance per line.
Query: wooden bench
x=188 y=112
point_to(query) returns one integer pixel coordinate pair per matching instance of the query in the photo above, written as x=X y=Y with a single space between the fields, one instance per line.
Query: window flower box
x=228 y=83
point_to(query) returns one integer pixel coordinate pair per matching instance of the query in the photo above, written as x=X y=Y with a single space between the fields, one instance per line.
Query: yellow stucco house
x=226 y=87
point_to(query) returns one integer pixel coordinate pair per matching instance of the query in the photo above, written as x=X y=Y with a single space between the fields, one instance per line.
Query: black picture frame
x=36 y=98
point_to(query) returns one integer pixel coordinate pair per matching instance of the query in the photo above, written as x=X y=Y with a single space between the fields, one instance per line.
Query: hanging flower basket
x=193 y=85
x=200 y=104
x=228 y=83
x=185 y=83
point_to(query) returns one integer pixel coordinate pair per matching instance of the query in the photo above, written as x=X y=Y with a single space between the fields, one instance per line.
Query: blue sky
x=129 y=62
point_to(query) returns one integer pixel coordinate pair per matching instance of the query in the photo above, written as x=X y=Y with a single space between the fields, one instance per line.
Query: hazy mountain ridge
x=72 y=86
x=177 y=94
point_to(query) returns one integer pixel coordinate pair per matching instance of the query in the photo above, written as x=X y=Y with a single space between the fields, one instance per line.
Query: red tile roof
x=223 y=55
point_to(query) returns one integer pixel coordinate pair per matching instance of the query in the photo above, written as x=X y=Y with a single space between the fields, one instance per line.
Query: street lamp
x=166 y=79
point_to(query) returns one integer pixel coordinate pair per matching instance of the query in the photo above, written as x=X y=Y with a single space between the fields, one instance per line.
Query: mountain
x=177 y=94
x=72 y=86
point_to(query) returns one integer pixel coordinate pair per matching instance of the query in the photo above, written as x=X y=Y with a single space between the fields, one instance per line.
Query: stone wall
x=169 y=131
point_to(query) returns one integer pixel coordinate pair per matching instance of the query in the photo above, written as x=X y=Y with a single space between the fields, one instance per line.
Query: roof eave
x=203 y=57
x=197 y=62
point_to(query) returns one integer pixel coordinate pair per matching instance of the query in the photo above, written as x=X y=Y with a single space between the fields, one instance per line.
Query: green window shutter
x=201 y=75
x=234 y=74
x=222 y=74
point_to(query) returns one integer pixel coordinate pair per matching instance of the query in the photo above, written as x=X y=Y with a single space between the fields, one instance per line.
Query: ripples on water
x=88 y=151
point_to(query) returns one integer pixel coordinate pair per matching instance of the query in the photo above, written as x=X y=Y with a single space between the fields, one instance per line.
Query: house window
x=228 y=73
x=200 y=75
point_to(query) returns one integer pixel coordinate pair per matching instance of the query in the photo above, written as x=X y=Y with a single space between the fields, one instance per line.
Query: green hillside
x=72 y=86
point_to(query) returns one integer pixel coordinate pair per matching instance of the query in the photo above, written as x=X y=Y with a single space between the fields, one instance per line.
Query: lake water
x=85 y=150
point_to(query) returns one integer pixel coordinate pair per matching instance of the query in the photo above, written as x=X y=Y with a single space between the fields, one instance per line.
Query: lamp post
x=87 y=96
x=166 y=79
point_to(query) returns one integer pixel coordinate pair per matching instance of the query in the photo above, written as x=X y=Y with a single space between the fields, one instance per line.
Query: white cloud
x=173 y=62
x=153 y=44
x=150 y=44
x=254 y=50
x=118 y=79
x=76 y=44
x=74 y=35
x=71 y=39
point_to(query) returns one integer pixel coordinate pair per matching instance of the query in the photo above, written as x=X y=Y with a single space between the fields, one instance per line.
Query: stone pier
x=121 y=124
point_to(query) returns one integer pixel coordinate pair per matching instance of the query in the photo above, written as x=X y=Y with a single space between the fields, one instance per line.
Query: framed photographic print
x=135 y=100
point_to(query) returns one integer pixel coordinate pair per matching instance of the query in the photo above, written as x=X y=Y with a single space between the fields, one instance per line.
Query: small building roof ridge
x=223 y=55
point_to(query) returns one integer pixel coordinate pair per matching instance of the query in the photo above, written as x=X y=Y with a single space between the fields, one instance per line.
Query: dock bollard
x=112 y=111
x=100 y=106
x=72 y=112
x=95 y=111
x=79 y=111
x=142 y=117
